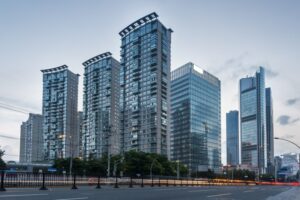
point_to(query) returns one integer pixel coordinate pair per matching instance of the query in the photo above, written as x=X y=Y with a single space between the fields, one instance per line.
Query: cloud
x=241 y=66
x=289 y=136
x=270 y=73
x=286 y=120
x=293 y=101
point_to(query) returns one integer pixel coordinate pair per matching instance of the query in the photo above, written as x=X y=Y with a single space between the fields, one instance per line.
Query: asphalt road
x=146 y=193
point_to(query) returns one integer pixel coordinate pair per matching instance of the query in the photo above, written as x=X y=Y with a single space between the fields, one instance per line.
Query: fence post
x=98 y=183
x=142 y=184
x=116 y=183
x=174 y=182
x=2 y=188
x=130 y=184
x=74 y=187
x=43 y=184
x=158 y=181
x=152 y=184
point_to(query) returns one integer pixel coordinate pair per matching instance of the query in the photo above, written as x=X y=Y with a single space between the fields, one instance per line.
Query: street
x=146 y=193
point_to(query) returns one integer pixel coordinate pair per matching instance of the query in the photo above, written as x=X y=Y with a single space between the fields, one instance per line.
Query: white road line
x=21 y=195
x=73 y=198
x=218 y=195
x=201 y=190
x=249 y=191
x=164 y=189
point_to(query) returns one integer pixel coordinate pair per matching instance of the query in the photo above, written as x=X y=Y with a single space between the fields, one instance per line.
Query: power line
x=9 y=137
x=14 y=108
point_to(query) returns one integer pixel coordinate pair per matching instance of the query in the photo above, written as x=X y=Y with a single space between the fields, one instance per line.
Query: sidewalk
x=292 y=194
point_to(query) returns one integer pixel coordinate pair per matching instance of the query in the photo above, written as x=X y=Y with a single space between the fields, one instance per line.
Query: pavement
x=151 y=193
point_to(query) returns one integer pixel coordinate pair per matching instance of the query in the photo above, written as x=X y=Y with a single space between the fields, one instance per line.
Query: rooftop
x=97 y=58
x=148 y=18
x=55 y=69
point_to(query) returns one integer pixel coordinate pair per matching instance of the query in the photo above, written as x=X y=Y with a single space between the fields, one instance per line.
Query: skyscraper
x=232 y=136
x=101 y=130
x=145 y=75
x=253 y=122
x=270 y=131
x=31 y=143
x=60 y=128
x=196 y=118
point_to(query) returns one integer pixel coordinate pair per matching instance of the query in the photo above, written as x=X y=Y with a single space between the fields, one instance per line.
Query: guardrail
x=45 y=180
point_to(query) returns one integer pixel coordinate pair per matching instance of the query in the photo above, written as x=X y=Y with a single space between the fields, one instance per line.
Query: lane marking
x=73 y=198
x=164 y=189
x=249 y=191
x=21 y=195
x=218 y=195
x=201 y=190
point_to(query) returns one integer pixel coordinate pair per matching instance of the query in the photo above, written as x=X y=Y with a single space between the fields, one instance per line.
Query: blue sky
x=230 y=39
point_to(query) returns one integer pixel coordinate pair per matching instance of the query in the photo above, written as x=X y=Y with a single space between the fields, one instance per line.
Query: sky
x=229 y=39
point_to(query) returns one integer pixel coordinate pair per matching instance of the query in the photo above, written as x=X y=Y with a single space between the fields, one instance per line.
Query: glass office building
x=60 y=128
x=196 y=118
x=253 y=122
x=31 y=140
x=270 y=131
x=144 y=80
x=101 y=93
x=232 y=137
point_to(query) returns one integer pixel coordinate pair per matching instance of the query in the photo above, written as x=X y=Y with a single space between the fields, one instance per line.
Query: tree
x=131 y=163
x=2 y=163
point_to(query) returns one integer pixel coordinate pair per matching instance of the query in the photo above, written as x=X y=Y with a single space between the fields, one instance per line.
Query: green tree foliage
x=2 y=163
x=130 y=163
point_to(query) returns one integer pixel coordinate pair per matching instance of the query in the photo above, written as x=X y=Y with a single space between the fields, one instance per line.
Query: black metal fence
x=45 y=180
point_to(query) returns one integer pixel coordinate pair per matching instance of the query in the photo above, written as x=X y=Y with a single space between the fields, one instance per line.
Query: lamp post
x=71 y=155
x=115 y=170
x=178 y=172
x=277 y=138
x=154 y=159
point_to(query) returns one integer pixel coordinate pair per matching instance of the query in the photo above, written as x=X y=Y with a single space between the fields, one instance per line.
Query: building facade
x=60 y=128
x=144 y=80
x=232 y=138
x=101 y=110
x=253 y=122
x=270 y=131
x=31 y=142
x=196 y=118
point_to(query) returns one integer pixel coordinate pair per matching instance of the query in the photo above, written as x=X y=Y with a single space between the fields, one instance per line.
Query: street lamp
x=277 y=138
x=154 y=159
x=178 y=172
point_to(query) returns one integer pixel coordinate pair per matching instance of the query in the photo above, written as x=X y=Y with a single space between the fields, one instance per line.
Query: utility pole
x=109 y=146
x=71 y=155
x=178 y=172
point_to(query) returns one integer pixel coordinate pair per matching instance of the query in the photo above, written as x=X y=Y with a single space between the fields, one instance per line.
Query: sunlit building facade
x=60 y=128
x=31 y=140
x=253 y=122
x=144 y=80
x=196 y=118
x=101 y=98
